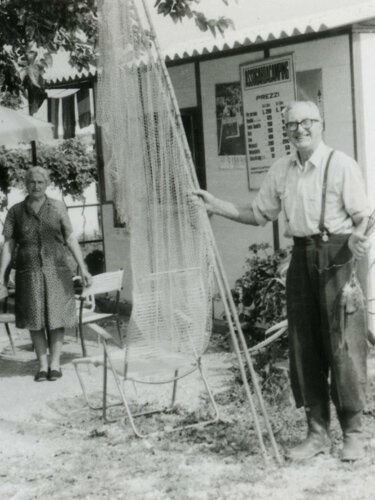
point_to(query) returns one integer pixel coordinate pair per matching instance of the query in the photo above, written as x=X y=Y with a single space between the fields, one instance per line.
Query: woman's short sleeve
x=9 y=225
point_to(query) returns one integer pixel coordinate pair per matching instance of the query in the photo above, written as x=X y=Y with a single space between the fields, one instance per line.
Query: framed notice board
x=267 y=86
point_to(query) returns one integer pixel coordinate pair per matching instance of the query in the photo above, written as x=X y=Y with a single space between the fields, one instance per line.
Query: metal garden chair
x=139 y=370
x=86 y=307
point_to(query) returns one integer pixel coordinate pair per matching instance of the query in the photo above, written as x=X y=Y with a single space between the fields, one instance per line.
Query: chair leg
x=104 y=407
x=7 y=328
x=83 y=387
x=83 y=344
x=105 y=386
x=131 y=416
x=118 y=326
x=174 y=390
x=210 y=394
x=124 y=400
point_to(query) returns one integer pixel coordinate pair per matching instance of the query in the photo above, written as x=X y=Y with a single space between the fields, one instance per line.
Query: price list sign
x=267 y=87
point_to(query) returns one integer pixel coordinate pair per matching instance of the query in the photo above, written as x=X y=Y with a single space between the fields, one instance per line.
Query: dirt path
x=53 y=447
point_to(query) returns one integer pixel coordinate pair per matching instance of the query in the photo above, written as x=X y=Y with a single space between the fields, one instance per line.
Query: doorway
x=194 y=133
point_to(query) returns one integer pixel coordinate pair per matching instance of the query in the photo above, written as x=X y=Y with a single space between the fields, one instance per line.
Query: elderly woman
x=40 y=229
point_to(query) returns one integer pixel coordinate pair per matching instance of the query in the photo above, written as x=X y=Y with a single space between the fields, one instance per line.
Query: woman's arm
x=74 y=247
x=6 y=259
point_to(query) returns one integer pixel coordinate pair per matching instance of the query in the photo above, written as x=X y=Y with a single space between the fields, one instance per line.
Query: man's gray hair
x=37 y=170
x=314 y=108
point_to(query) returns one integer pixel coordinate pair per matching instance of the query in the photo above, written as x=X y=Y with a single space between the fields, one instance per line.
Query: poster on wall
x=229 y=119
x=267 y=86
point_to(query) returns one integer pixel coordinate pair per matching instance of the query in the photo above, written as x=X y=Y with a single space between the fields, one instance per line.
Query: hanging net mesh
x=152 y=176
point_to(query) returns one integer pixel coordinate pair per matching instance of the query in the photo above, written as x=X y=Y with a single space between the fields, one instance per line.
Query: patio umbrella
x=17 y=127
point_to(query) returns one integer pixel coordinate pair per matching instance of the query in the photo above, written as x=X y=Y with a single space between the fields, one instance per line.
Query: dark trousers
x=324 y=342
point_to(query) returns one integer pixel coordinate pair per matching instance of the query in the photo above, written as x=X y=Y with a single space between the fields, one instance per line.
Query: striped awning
x=16 y=127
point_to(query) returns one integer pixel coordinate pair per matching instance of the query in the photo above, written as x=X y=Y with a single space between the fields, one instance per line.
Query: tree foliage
x=71 y=164
x=31 y=31
x=179 y=9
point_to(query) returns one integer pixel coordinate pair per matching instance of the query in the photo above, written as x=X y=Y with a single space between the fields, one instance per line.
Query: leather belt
x=317 y=239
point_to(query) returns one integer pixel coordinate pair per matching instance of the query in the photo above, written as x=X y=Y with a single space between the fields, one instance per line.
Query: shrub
x=259 y=293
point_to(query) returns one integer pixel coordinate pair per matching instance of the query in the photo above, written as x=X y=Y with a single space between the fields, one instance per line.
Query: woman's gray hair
x=314 y=108
x=37 y=170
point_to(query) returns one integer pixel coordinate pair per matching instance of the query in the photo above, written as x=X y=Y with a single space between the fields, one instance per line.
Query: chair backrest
x=104 y=282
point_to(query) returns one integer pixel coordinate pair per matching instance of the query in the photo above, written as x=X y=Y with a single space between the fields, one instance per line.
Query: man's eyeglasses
x=307 y=123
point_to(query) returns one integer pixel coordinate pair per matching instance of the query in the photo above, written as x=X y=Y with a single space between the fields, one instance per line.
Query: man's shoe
x=314 y=444
x=354 y=444
x=354 y=448
x=41 y=376
x=317 y=440
x=54 y=375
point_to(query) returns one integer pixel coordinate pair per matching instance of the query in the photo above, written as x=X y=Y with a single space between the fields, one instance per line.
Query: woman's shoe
x=54 y=374
x=41 y=376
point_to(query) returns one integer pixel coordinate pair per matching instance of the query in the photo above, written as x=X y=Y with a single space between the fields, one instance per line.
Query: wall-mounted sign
x=267 y=86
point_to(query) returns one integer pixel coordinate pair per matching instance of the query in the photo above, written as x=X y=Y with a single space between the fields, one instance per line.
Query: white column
x=364 y=93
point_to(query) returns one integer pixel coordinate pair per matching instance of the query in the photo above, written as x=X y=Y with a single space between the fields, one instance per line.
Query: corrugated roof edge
x=326 y=21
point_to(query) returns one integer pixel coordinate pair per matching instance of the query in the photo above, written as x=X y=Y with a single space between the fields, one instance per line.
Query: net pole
x=242 y=367
x=176 y=108
x=220 y=273
x=229 y=301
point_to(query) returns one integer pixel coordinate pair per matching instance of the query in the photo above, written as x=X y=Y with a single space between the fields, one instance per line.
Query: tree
x=31 y=31
x=72 y=167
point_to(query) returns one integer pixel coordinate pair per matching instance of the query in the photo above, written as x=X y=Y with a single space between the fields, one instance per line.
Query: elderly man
x=322 y=197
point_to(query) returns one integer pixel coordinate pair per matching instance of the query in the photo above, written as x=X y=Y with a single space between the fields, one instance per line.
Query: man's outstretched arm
x=227 y=209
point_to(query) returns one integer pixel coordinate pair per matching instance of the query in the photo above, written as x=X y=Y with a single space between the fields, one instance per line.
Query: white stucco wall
x=117 y=249
x=332 y=55
x=183 y=81
x=225 y=182
x=364 y=78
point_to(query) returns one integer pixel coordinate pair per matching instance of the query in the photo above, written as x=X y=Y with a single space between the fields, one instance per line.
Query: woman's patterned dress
x=44 y=288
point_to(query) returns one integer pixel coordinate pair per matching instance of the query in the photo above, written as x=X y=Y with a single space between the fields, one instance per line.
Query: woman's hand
x=86 y=277
x=3 y=291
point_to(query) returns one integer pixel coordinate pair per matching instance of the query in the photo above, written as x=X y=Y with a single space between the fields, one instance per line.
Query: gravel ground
x=52 y=446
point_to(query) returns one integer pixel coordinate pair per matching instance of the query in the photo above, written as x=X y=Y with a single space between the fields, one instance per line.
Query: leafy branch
x=31 y=31
x=179 y=9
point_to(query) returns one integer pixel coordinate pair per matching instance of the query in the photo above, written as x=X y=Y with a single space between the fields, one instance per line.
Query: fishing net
x=152 y=176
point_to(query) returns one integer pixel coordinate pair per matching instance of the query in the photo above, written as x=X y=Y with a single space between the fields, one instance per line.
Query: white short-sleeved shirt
x=296 y=191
